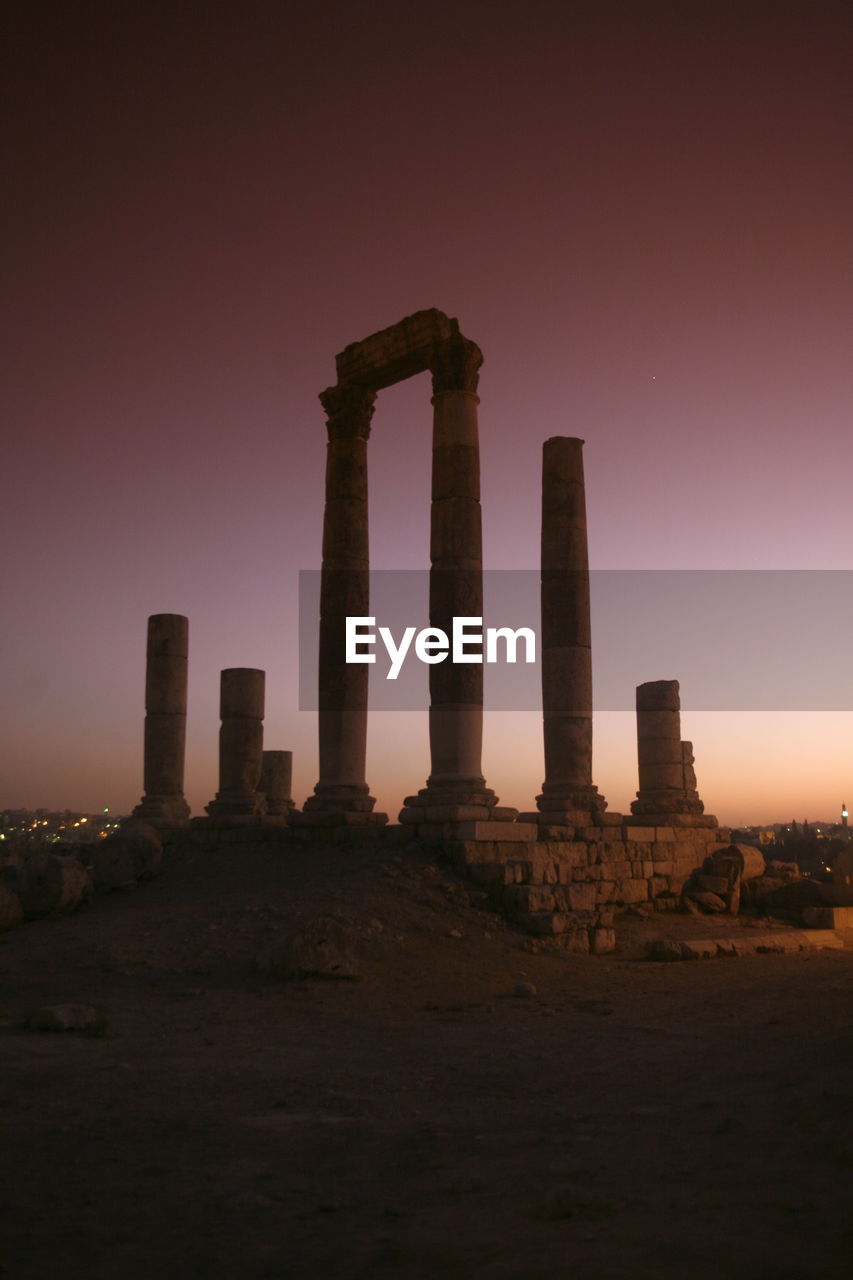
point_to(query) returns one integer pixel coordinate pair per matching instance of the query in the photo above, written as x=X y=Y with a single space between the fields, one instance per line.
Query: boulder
x=67 y=1017
x=708 y=902
x=735 y=861
x=51 y=882
x=134 y=853
x=11 y=910
x=324 y=948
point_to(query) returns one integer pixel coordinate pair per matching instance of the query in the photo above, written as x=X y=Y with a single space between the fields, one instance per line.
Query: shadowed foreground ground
x=631 y=1120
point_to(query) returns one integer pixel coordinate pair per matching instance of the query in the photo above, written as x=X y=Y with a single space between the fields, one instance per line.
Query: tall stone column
x=456 y=787
x=165 y=721
x=275 y=784
x=241 y=741
x=342 y=796
x=667 y=780
x=568 y=795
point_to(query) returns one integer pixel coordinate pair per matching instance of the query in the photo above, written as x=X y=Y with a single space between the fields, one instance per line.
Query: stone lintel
x=398 y=352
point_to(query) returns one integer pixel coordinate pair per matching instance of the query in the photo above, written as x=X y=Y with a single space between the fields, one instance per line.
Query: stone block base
x=667 y=818
x=359 y=834
x=239 y=832
x=828 y=917
x=323 y=819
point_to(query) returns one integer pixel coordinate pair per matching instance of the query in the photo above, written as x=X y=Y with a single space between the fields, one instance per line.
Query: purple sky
x=642 y=214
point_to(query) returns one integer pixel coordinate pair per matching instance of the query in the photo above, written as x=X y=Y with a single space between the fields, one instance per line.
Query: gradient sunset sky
x=640 y=212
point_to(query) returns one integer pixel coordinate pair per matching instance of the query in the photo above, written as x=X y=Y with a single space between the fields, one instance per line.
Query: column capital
x=455 y=365
x=349 y=409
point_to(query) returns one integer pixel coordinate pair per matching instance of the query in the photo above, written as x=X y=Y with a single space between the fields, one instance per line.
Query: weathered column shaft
x=241 y=738
x=659 y=755
x=276 y=781
x=667 y=778
x=565 y=636
x=165 y=720
x=344 y=592
x=456 y=589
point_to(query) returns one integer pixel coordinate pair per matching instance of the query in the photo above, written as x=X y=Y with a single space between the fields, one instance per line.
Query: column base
x=667 y=802
x=339 y=805
x=279 y=810
x=332 y=797
x=460 y=800
x=566 y=806
x=163 y=811
x=233 y=805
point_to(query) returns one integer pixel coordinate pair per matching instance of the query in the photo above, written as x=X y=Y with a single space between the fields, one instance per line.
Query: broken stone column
x=688 y=771
x=163 y=804
x=275 y=785
x=342 y=796
x=667 y=780
x=455 y=789
x=568 y=795
x=241 y=738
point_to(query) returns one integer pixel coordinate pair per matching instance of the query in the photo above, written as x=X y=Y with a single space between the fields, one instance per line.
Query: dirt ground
x=631 y=1120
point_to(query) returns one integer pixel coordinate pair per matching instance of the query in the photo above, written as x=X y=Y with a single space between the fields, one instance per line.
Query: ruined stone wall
x=574 y=888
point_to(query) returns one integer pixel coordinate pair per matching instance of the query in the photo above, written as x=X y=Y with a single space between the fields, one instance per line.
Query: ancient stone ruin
x=560 y=869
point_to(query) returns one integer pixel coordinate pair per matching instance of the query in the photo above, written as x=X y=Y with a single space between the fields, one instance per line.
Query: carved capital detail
x=349 y=409
x=455 y=365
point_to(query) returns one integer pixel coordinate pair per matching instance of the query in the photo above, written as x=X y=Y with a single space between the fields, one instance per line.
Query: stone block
x=571 y=853
x=602 y=941
x=632 y=890
x=581 y=897
x=618 y=869
x=709 y=902
x=524 y=899
x=828 y=917
x=575 y=941
x=610 y=850
x=699 y=948
x=664 y=867
x=504 y=831
x=664 y=834
x=712 y=884
x=49 y=883
x=582 y=875
x=646 y=835
x=547 y=923
x=605 y=891
x=549 y=831
x=490 y=874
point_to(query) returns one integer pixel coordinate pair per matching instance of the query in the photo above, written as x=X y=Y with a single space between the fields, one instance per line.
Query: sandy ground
x=630 y=1120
